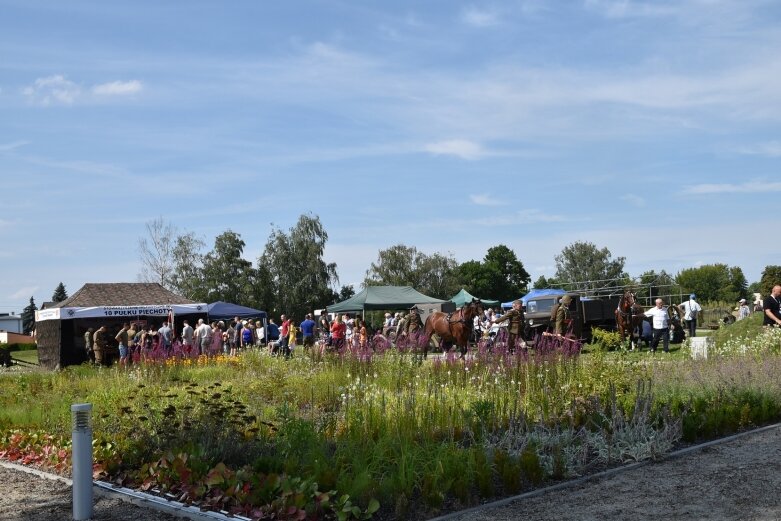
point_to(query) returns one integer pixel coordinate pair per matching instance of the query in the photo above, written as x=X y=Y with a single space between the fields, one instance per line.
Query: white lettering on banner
x=151 y=310
x=123 y=311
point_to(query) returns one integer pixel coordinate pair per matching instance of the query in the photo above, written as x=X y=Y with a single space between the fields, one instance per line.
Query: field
x=386 y=435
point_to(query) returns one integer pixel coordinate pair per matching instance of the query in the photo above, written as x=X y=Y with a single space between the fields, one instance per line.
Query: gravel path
x=737 y=480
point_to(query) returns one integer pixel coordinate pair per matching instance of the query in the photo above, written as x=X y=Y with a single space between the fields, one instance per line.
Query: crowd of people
x=137 y=341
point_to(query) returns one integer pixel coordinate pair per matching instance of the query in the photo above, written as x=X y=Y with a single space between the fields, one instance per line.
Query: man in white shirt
x=690 y=311
x=743 y=310
x=187 y=334
x=204 y=336
x=660 y=322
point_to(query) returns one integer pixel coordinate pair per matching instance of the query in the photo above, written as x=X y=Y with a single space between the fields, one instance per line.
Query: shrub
x=604 y=340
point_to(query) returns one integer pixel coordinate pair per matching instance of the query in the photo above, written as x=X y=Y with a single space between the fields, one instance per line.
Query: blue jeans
x=664 y=334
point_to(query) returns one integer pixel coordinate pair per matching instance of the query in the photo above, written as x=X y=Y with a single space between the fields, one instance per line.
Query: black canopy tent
x=225 y=311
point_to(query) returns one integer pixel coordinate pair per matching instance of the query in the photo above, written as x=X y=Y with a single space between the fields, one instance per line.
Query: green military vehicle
x=585 y=313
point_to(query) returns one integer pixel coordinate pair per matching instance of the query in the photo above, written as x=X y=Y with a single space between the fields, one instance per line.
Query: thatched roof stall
x=60 y=329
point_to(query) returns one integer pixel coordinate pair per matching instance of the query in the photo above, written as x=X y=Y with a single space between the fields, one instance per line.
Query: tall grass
x=417 y=436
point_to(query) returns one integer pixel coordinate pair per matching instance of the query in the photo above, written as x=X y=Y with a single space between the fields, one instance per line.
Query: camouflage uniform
x=412 y=323
x=562 y=316
x=515 y=327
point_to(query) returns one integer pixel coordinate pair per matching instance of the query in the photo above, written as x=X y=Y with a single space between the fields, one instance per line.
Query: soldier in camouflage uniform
x=562 y=316
x=516 y=325
x=412 y=323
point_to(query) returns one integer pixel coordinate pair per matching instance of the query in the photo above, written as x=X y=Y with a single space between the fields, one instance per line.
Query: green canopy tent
x=463 y=297
x=381 y=298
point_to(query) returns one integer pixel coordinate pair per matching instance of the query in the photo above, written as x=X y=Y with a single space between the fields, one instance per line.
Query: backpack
x=246 y=335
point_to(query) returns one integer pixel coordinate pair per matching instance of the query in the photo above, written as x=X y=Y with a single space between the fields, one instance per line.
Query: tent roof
x=383 y=297
x=226 y=310
x=462 y=297
x=121 y=294
x=534 y=294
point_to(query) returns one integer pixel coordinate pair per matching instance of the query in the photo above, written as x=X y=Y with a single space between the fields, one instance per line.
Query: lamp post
x=81 y=415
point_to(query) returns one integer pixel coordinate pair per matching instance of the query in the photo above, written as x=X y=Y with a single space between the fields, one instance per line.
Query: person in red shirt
x=338 y=332
x=284 y=330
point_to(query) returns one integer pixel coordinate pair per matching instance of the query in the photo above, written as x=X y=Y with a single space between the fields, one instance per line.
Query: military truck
x=584 y=311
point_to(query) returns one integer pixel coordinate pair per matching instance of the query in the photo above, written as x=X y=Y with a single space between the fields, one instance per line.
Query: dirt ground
x=738 y=480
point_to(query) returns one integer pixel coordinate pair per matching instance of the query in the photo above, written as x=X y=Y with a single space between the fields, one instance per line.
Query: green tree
x=476 y=278
x=582 y=266
x=299 y=277
x=156 y=251
x=395 y=266
x=771 y=276
x=499 y=276
x=653 y=285
x=28 y=317
x=513 y=278
x=345 y=292
x=435 y=275
x=738 y=281
x=59 y=293
x=439 y=276
x=713 y=282
x=226 y=275
x=187 y=274
x=541 y=283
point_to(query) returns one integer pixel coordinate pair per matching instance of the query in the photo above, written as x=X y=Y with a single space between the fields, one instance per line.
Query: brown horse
x=629 y=317
x=454 y=328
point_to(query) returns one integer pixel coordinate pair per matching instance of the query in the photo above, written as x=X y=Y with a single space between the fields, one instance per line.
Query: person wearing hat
x=690 y=311
x=412 y=322
x=743 y=310
x=515 y=327
x=563 y=319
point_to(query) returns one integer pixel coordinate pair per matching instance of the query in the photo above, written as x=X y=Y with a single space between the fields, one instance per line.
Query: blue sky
x=651 y=128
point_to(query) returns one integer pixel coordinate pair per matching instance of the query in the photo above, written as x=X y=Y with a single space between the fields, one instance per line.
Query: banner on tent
x=163 y=310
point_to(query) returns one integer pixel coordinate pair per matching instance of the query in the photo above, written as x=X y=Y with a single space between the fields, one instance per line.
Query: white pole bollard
x=81 y=415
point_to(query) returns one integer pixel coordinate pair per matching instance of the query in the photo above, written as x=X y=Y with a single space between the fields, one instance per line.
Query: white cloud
x=629 y=9
x=118 y=88
x=485 y=200
x=52 y=90
x=634 y=200
x=456 y=147
x=58 y=90
x=529 y=216
x=25 y=292
x=769 y=149
x=479 y=17
x=750 y=187
x=9 y=147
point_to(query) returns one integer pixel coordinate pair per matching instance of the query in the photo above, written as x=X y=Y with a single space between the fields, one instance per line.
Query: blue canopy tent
x=225 y=311
x=534 y=294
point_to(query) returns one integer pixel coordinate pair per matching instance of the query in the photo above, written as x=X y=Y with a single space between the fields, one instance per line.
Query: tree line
x=291 y=275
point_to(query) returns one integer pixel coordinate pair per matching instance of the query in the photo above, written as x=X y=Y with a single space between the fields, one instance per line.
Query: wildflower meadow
x=356 y=435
